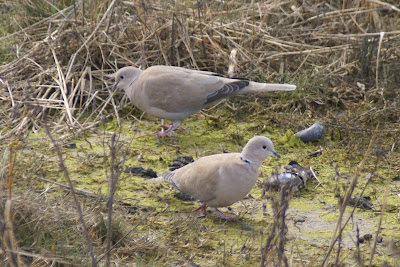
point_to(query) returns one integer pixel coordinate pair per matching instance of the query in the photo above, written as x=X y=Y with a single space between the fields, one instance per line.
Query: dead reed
x=61 y=60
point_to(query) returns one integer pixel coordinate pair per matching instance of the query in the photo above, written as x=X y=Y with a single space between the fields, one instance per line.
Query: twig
x=122 y=238
x=385 y=4
x=382 y=34
x=62 y=85
x=172 y=56
x=112 y=182
x=347 y=197
x=232 y=63
x=94 y=32
x=46 y=258
x=378 y=228
x=8 y=239
x=68 y=188
x=77 y=205
x=316 y=178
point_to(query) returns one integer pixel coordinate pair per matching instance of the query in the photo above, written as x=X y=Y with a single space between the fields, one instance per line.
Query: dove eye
x=121 y=77
x=264 y=147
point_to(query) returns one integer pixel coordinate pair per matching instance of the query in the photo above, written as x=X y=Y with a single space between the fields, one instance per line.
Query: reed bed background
x=341 y=53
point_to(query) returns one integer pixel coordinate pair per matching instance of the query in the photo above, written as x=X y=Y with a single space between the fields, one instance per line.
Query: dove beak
x=276 y=154
x=114 y=86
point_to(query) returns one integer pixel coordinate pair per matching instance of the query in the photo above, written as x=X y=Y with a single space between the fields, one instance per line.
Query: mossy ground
x=166 y=230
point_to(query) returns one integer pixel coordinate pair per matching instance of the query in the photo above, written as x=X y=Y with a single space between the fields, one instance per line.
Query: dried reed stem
x=77 y=205
x=112 y=182
x=378 y=227
x=347 y=197
x=382 y=34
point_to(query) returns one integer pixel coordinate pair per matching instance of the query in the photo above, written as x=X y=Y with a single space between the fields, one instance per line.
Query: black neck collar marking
x=245 y=160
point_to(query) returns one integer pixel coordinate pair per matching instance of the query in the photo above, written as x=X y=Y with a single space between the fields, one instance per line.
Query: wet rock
x=361 y=202
x=367 y=237
x=141 y=172
x=293 y=175
x=70 y=145
x=180 y=162
x=132 y=210
x=312 y=133
x=246 y=227
x=299 y=219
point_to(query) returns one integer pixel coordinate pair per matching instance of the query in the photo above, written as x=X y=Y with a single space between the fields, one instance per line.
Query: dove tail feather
x=155 y=180
x=165 y=177
x=255 y=87
x=168 y=177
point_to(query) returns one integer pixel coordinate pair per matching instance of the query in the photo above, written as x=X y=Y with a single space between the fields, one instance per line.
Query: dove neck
x=245 y=160
x=249 y=160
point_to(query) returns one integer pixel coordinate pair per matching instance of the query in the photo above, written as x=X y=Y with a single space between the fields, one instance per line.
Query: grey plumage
x=175 y=93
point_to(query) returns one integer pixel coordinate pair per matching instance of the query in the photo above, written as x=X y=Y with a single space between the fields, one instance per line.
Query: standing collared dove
x=175 y=93
x=222 y=179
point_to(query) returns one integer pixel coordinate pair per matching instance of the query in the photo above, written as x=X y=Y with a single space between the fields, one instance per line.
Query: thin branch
x=77 y=205
x=347 y=197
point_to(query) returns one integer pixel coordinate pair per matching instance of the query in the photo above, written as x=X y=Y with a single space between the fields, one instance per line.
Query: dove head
x=257 y=149
x=125 y=77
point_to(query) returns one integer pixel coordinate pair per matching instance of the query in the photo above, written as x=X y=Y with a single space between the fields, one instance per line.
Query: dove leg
x=203 y=209
x=226 y=217
x=167 y=126
x=169 y=129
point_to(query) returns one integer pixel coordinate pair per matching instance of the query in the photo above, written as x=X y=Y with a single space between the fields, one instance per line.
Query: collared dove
x=175 y=93
x=222 y=179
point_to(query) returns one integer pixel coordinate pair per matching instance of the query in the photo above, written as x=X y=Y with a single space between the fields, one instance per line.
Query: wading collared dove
x=222 y=179
x=175 y=93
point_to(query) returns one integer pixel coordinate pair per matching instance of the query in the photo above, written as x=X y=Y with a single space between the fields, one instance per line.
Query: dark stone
x=139 y=171
x=132 y=210
x=367 y=237
x=361 y=202
x=70 y=145
x=180 y=162
x=246 y=227
x=312 y=133
x=299 y=219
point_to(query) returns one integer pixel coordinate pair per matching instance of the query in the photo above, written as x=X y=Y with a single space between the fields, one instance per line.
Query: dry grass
x=61 y=61
x=343 y=55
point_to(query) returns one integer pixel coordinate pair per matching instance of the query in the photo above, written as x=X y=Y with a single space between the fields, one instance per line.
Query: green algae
x=289 y=139
x=181 y=234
